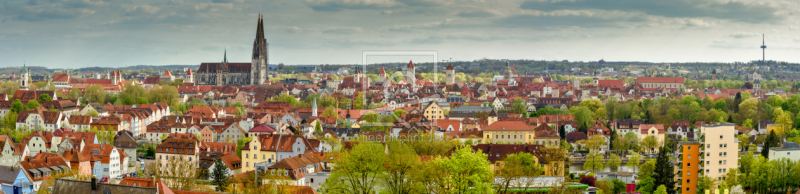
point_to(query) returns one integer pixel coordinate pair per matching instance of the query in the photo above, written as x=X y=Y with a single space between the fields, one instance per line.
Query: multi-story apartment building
x=720 y=149
x=689 y=167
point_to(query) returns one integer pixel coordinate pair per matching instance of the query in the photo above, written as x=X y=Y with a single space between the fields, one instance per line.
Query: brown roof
x=232 y=161
x=145 y=182
x=61 y=77
x=178 y=143
x=80 y=120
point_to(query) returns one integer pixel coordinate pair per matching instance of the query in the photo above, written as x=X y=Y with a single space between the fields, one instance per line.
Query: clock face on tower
x=449 y=75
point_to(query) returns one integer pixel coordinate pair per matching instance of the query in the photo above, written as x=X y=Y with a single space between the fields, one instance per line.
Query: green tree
x=220 y=175
x=358 y=170
x=466 y=171
x=704 y=183
x=583 y=116
x=720 y=105
x=45 y=98
x=649 y=143
x=784 y=121
x=329 y=112
x=399 y=164
x=593 y=105
x=95 y=93
x=17 y=106
x=142 y=100
x=771 y=141
x=614 y=162
x=664 y=173
x=633 y=161
x=318 y=128
x=647 y=169
x=660 y=190
x=519 y=169
x=520 y=106
x=32 y=104
x=748 y=123
x=646 y=185
x=594 y=161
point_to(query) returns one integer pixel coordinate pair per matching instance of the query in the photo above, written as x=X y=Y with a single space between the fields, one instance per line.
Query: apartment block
x=689 y=167
x=720 y=149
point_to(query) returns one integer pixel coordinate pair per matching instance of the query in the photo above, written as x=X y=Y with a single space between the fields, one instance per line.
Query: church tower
x=24 y=83
x=451 y=74
x=113 y=77
x=258 y=69
x=189 y=76
x=412 y=76
x=382 y=75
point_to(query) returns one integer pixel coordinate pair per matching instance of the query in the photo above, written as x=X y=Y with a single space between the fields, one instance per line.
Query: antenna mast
x=763 y=50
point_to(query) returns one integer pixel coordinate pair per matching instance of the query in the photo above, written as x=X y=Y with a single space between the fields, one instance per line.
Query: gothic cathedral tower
x=258 y=69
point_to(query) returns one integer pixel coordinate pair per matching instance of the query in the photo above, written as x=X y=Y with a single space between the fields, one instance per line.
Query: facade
x=660 y=82
x=105 y=160
x=688 y=170
x=181 y=147
x=225 y=73
x=655 y=130
x=789 y=150
x=273 y=148
x=433 y=111
x=125 y=141
x=10 y=153
x=720 y=149
x=509 y=132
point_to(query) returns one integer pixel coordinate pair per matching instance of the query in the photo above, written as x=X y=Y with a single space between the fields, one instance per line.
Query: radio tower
x=763 y=51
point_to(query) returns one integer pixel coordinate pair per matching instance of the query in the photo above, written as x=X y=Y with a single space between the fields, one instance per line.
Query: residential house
x=40 y=169
x=15 y=176
x=105 y=160
x=178 y=147
x=232 y=162
x=293 y=170
x=124 y=140
x=273 y=148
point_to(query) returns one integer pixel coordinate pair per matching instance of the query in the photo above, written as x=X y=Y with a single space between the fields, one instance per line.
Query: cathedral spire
x=225 y=57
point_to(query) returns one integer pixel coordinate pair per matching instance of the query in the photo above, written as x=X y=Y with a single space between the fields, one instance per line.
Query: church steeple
x=225 y=57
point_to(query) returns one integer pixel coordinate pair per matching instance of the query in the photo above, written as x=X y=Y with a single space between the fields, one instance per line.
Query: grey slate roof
x=8 y=174
x=471 y=109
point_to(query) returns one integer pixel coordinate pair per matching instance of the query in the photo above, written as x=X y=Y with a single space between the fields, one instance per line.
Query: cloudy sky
x=81 y=33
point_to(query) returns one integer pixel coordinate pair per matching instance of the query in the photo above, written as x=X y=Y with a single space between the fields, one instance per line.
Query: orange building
x=688 y=166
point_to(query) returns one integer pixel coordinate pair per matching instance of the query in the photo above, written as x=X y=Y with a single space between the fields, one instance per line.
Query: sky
x=116 y=33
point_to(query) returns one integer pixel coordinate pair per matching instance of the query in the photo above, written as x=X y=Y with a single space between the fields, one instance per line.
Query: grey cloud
x=337 y=5
x=342 y=30
x=586 y=21
x=39 y=13
x=478 y=13
x=737 y=11
x=743 y=35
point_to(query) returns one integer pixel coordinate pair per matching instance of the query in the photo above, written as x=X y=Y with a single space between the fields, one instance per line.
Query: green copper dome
x=24 y=69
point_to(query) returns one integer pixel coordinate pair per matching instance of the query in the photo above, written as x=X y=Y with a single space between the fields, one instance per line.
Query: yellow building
x=433 y=111
x=273 y=148
x=509 y=132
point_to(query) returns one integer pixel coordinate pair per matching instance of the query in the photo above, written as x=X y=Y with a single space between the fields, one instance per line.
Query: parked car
x=104 y=180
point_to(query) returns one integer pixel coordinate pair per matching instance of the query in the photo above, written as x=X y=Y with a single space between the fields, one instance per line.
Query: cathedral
x=225 y=73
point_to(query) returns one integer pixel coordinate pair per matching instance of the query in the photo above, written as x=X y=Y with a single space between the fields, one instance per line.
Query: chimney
x=94 y=183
